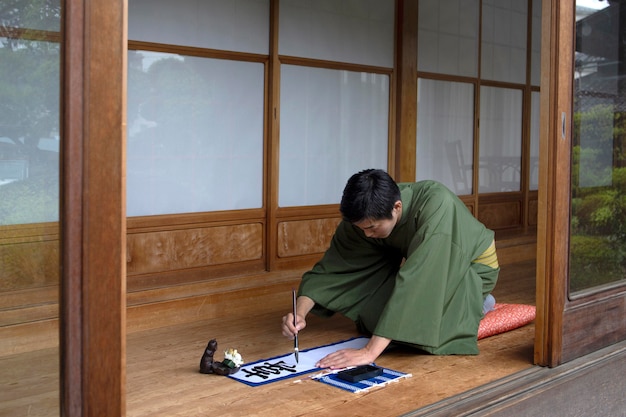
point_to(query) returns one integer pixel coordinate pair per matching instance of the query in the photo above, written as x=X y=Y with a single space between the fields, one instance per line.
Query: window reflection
x=29 y=131
x=29 y=205
x=446 y=114
x=598 y=218
x=195 y=132
x=500 y=153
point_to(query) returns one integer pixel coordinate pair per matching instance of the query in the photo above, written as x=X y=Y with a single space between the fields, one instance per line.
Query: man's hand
x=289 y=330
x=355 y=357
x=305 y=304
x=346 y=357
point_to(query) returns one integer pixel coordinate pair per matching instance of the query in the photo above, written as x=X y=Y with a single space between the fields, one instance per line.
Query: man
x=408 y=263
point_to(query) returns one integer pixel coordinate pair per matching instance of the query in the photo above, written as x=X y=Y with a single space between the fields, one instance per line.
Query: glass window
x=535 y=49
x=30 y=52
x=445 y=133
x=29 y=131
x=503 y=41
x=598 y=217
x=448 y=37
x=500 y=153
x=333 y=123
x=31 y=15
x=195 y=134
x=358 y=32
x=534 y=140
x=233 y=25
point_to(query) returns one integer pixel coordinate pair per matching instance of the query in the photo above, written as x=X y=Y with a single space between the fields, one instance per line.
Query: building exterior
x=249 y=116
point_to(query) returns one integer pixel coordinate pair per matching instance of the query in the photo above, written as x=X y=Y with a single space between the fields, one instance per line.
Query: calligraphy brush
x=295 y=339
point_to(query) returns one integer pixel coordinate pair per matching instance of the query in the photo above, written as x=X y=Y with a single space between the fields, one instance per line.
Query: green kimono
x=417 y=286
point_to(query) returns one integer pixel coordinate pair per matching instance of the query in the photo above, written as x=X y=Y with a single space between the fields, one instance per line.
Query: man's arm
x=354 y=357
x=304 y=306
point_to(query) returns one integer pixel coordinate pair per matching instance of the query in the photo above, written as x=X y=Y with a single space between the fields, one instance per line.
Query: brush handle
x=295 y=339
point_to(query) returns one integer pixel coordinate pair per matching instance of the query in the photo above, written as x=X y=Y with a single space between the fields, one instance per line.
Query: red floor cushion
x=505 y=317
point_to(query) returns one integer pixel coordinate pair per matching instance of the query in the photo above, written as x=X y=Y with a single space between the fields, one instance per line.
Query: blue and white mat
x=388 y=376
x=283 y=367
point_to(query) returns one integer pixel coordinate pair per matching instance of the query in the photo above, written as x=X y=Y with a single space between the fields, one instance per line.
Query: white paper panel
x=332 y=124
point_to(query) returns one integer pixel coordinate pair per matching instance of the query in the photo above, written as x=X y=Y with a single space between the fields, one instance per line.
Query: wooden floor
x=163 y=377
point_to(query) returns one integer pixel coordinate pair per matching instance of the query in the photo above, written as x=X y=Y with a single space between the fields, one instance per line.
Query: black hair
x=369 y=194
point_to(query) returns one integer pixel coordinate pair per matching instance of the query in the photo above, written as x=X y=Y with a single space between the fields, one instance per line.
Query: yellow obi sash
x=489 y=257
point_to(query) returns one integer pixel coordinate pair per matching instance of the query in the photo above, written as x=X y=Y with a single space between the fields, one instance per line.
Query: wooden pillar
x=406 y=92
x=93 y=226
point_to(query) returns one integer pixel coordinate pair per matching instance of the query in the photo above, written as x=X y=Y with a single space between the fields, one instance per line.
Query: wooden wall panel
x=29 y=265
x=501 y=215
x=153 y=252
x=27 y=337
x=29 y=297
x=533 y=208
x=305 y=237
x=589 y=327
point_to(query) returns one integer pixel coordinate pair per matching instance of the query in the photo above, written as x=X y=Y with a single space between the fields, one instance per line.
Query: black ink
x=267 y=369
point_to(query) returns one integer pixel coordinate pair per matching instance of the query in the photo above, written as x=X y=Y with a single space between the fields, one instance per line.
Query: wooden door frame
x=92 y=312
x=550 y=246
x=566 y=327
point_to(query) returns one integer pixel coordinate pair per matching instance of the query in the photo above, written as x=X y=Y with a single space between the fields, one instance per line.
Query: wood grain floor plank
x=163 y=377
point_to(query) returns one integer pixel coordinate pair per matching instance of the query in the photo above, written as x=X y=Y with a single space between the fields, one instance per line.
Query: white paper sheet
x=283 y=367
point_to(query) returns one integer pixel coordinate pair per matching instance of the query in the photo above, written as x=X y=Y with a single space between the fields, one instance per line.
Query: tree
x=29 y=108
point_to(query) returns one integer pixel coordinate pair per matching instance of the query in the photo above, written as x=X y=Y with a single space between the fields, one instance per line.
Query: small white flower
x=234 y=356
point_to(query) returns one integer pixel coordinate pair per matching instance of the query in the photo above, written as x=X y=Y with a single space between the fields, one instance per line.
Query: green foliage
x=598 y=220
x=594 y=261
x=29 y=87
x=31 y=14
x=601 y=213
x=29 y=108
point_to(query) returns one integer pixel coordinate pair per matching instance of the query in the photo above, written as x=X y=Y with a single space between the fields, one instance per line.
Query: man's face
x=381 y=228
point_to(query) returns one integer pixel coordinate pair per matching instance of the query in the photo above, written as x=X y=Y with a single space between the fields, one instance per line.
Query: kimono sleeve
x=352 y=270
